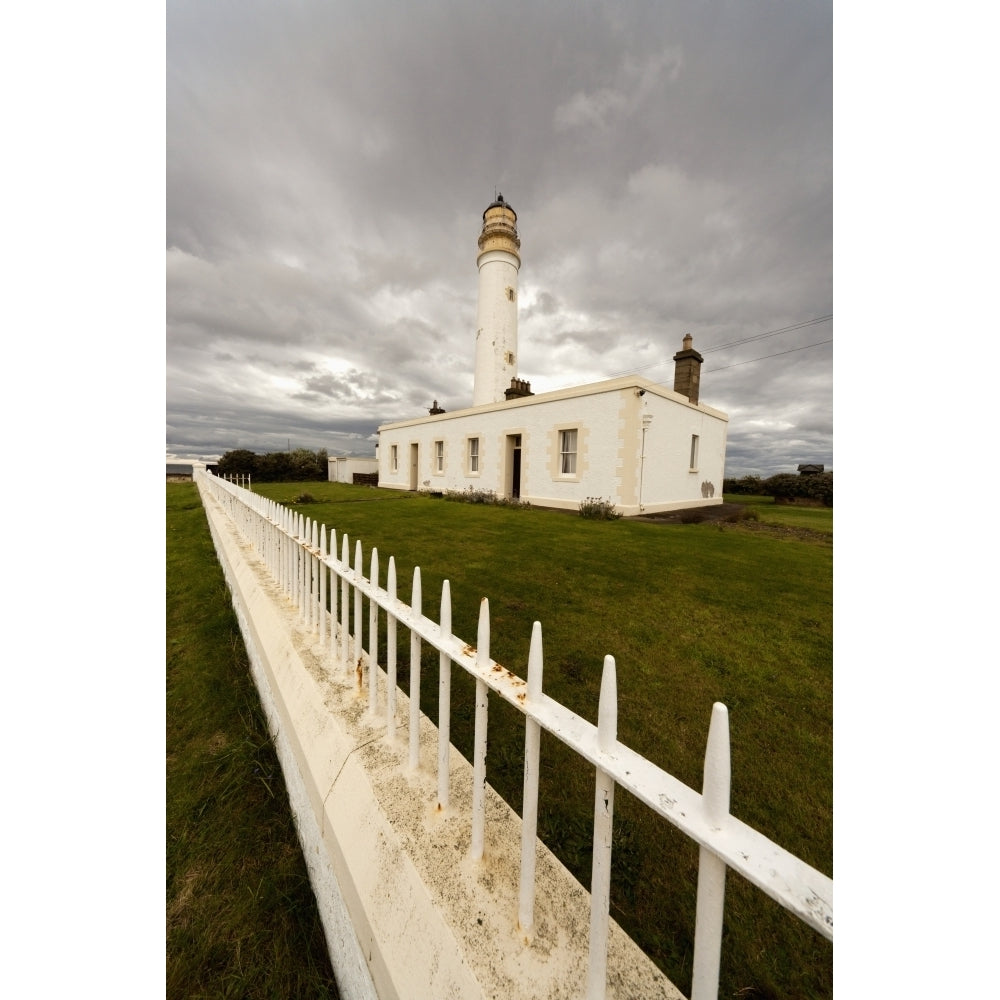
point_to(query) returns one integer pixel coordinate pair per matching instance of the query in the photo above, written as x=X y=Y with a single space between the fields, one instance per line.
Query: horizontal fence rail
x=294 y=550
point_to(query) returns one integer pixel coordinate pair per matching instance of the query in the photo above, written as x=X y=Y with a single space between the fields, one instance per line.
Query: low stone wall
x=406 y=912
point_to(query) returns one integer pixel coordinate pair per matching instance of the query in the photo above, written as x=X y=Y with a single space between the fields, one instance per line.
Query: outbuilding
x=343 y=468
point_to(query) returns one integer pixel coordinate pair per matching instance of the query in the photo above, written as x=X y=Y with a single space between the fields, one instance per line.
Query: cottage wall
x=609 y=459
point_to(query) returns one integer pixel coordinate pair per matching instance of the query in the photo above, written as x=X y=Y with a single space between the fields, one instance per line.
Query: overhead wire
x=792 y=350
x=745 y=340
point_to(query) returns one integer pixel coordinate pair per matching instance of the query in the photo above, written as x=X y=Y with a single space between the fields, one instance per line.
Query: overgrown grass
x=693 y=615
x=241 y=917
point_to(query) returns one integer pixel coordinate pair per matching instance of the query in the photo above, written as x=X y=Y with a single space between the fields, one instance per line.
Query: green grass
x=693 y=614
x=241 y=917
x=789 y=515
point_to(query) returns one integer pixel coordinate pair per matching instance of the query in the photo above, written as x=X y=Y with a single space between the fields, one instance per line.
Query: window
x=510 y=294
x=474 y=455
x=394 y=458
x=508 y=357
x=567 y=452
x=439 y=456
x=694 y=453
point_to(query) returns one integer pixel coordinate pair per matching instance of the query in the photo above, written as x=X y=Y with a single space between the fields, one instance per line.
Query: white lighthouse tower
x=496 y=316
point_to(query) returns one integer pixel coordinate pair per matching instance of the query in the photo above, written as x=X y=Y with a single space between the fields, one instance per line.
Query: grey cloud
x=328 y=164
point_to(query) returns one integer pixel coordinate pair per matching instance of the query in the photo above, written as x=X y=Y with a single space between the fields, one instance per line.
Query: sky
x=328 y=164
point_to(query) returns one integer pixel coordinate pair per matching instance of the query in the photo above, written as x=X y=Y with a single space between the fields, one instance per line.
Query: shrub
x=749 y=485
x=489 y=497
x=786 y=486
x=744 y=514
x=305 y=498
x=598 y=509
x=300 y=465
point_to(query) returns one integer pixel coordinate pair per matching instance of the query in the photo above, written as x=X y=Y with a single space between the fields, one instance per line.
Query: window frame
x=473 y=455
x=565 y=453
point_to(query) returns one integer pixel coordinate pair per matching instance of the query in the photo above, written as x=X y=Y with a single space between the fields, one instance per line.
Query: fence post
x=314 y=617
x=604 y=812
x=529 y=809
x=306 y=560
x=345 y=565
x=359 y=631
x=712 y=869
x=373 y=638
x=290 y=557
x=333 y=597
x=324 y=572
x=280 y=552
x=415 y=676
x=390 y=656
x=300 y=565
x=479 y=746
x=300 y=552
x=444 y=700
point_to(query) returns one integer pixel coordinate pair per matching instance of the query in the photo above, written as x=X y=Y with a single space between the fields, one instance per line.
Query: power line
x=818 y=343
x=770 y=333
x=736 y=343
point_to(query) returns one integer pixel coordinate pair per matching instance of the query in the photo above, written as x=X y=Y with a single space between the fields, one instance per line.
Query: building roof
x=591 y=389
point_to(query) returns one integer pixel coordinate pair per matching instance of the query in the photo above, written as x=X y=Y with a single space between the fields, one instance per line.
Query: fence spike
x=358 y=630
x=444 y=700
x=607 y=711
x=711 y=868
x=604 y=811
x=479 y=738
x=529 y=809
x=415 y=603
x=390 y=656
x=345 y=612
x=373 y=638
x=323 y=575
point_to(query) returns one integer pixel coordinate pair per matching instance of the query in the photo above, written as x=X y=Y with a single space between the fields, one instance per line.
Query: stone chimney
x=518 y=388
x=435 y=409
x=687 y=370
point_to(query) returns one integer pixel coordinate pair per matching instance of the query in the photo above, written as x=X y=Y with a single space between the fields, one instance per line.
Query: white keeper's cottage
x=642 y=446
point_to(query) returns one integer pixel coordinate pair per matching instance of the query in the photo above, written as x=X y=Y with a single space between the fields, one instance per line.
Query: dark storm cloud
x=328 y=165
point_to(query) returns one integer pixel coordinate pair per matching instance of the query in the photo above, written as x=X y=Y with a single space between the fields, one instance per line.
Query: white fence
x=302 y=560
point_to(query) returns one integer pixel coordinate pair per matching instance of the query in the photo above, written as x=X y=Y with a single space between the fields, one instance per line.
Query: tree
x=240 y=462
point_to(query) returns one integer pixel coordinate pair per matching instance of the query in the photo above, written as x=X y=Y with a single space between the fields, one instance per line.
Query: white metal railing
x=239 y=478
x=294 y=549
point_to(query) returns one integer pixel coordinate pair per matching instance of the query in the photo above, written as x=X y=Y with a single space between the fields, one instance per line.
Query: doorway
x=414 y=465
x=514 y=466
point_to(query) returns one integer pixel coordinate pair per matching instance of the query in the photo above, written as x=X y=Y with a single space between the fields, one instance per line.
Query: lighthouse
x=496 y=316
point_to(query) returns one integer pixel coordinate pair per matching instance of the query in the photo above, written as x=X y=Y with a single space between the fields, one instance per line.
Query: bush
x=305 y=498
x=489 y=497
x=598 y=509
x=747 y=485
x=787 y=487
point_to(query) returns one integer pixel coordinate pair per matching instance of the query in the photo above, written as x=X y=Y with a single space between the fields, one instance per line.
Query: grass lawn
x=693 y=614
x=789 y=515
x=241 y=917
